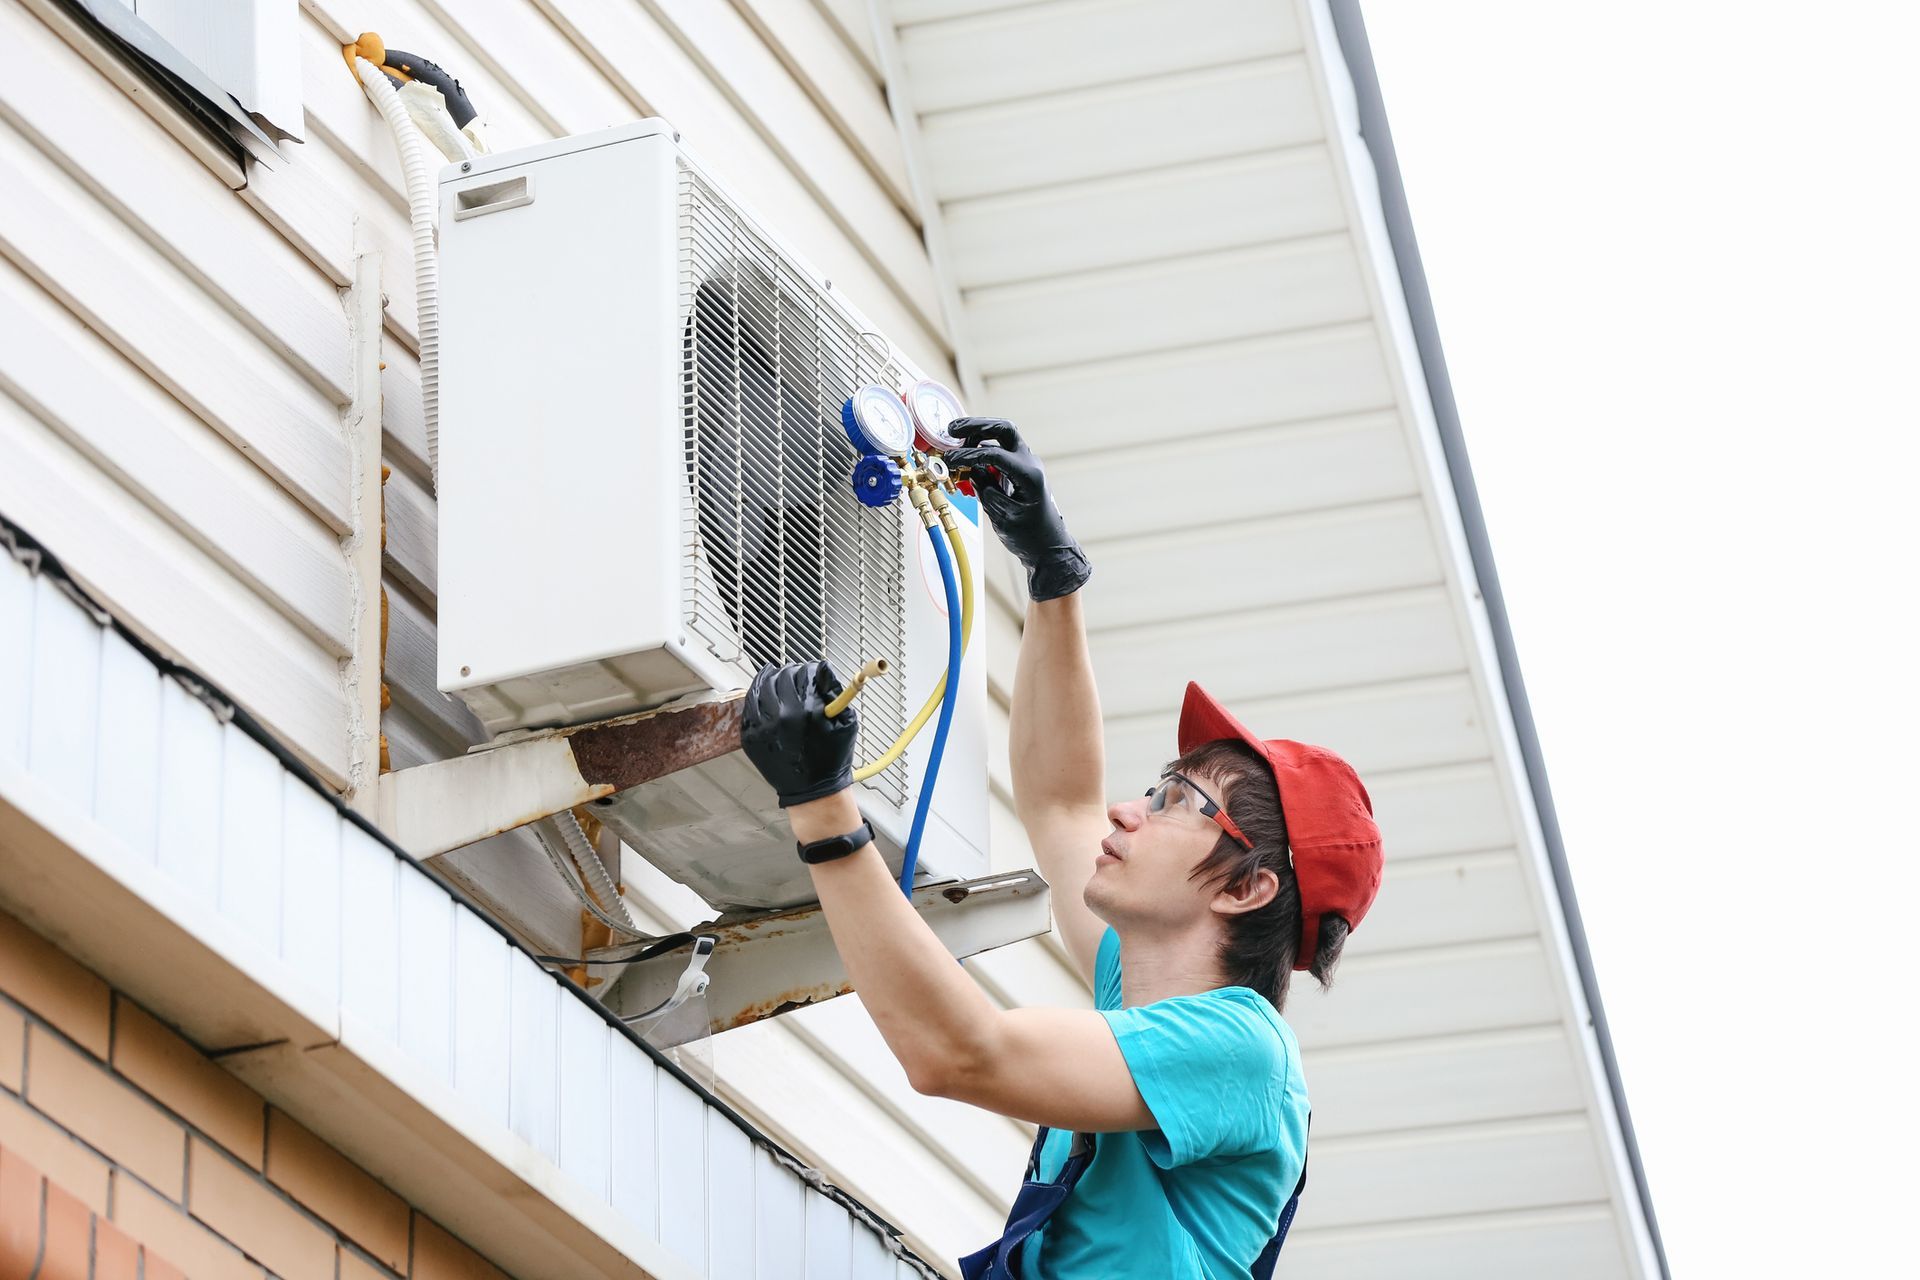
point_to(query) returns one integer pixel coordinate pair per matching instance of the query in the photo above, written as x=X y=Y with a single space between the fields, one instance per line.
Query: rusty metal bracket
x=772 y=963
x=432 y=808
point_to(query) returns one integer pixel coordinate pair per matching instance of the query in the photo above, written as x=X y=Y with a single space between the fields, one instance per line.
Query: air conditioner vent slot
x=781 y=561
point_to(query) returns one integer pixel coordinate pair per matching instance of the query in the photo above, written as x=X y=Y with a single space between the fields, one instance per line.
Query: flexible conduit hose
x=426 y=256
x=950 y=689
x=938 y=696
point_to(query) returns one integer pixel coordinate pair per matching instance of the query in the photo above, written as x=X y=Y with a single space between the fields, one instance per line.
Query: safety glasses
x=1177 y=791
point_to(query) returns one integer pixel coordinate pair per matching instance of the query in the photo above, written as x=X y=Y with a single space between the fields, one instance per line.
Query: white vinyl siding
x=293 y=939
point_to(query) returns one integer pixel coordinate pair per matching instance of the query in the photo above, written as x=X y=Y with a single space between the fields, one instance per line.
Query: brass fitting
x=877 y=667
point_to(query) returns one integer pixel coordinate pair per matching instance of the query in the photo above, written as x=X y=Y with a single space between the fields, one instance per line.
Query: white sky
x=1673 y=255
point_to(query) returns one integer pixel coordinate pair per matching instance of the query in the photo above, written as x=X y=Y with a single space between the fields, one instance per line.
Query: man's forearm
x=929 y=1011
x=1056 y=751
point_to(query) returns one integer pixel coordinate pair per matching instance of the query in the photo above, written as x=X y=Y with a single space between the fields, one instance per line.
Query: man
x=1173 y=1116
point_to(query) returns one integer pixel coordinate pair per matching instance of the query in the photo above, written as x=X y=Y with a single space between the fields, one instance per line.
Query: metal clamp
x=693 y=983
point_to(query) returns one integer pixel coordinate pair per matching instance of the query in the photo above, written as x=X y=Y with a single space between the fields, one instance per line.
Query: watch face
x=837 y=846
x=877 y=422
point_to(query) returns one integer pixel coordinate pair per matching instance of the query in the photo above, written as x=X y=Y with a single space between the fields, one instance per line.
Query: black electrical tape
x=458 y=104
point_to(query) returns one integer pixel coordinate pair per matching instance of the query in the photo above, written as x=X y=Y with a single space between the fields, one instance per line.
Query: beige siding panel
x=1124 y=311
x=1035 y=971
x=1456 y=809
x=146 y=441
x=413 y=537
x=1432 y=902
x=1450 y=1080
x=1000 y=635
x=1163 y=213
x=824 y=159
x=840 y=79
x=1253 y=382
x=632 y=47
x=854 y=21
x=171 y=199
x=1253 y=564
x=1577 y=1243
x=160 y=320
x=985 y=1149
x=170 y=593
x=410 y=741
x=410 y=673
x=1412 y=725
x=403 y=417
x=1486 y=986
x=309 y=205
x=1477 y=1169
x=1294 y=649
x=830 y=1121
x=964 y=63
x=528 y=59
x=1198 y=478
x=999 y=771
x=1092 y=133
x=314 y=197
x=908 y=12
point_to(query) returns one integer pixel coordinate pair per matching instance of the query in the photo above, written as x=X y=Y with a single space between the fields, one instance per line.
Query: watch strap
x=817 y=851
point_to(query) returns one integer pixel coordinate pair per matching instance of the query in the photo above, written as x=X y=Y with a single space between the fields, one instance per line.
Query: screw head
x=466 y=166
x=466 y=671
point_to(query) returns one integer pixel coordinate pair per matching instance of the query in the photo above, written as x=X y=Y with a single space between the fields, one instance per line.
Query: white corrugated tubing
x=415 y=162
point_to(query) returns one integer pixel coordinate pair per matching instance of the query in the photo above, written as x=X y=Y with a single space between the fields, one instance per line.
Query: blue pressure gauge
x=877 y=422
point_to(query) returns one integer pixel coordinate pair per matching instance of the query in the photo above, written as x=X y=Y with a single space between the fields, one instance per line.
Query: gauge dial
x=933 y=407
x=877 y=422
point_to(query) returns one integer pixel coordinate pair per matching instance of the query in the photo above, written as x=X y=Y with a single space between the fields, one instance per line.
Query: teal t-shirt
x=1198 y=1197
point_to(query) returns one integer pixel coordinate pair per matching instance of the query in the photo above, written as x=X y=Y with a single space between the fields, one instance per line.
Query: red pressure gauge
x=933 y=407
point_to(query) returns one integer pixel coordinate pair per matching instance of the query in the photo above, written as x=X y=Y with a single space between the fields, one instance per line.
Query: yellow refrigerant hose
x=944 y=511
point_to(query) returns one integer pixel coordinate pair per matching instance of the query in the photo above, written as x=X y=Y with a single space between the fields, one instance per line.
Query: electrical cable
x=595 y=871
x=547 y=834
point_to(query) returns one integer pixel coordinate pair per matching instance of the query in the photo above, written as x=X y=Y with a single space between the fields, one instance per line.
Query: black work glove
x=1023 y=512
x=785 y=731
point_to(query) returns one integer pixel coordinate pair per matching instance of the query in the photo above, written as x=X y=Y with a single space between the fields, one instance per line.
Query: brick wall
x=127 y=1154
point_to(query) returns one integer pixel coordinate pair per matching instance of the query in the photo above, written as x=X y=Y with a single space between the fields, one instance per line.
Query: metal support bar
x=769 y=964
x=432 y=808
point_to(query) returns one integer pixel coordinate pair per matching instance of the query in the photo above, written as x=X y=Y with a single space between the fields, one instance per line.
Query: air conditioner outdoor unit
x=644 y=494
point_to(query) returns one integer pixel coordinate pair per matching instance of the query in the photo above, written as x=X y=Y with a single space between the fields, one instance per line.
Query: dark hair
x=1261 y=946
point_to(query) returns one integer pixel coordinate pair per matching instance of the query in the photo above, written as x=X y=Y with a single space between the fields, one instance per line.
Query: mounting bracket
x=772 y=963
x=432 y=808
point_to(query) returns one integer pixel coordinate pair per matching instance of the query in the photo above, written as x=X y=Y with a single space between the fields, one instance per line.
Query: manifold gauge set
x=890 y=427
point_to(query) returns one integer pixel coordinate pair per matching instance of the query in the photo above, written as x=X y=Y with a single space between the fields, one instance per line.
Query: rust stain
x=625 y=753
x=784 y=1002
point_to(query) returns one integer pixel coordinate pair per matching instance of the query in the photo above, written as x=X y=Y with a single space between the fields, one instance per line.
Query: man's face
x=1142 y=870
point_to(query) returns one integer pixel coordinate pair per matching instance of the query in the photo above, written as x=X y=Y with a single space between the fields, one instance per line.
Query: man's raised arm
x=1057 y=754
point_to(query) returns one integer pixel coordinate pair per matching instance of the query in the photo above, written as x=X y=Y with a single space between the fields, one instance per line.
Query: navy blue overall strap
x=1038 y=1201
x=1031 y=1209
x=1263 y=1265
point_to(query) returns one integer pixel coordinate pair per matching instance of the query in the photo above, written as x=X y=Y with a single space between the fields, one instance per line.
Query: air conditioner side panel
x=558 y=526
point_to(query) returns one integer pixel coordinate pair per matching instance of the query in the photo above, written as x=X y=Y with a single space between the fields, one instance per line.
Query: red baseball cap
x=1330 y=827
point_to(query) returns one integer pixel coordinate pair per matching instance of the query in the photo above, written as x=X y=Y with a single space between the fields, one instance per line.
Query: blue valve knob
x=876 y=480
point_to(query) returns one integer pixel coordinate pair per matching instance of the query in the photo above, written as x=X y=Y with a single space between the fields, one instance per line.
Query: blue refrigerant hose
x=954 y=653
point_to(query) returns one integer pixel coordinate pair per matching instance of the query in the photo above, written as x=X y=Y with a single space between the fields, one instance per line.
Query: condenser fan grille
x=782 y=562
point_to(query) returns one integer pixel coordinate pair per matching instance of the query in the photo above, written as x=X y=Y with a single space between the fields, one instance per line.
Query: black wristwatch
x=836 y=846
